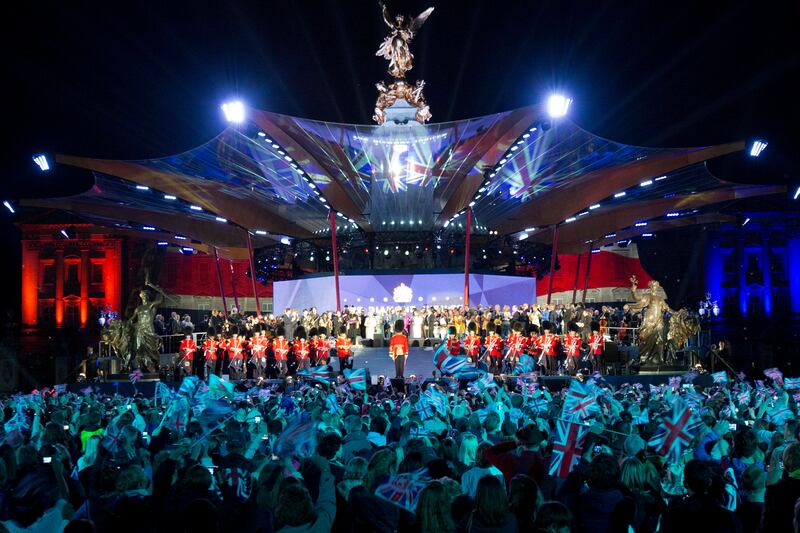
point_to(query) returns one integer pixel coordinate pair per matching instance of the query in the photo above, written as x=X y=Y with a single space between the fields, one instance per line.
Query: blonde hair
x=634 y=475
x=468 y=449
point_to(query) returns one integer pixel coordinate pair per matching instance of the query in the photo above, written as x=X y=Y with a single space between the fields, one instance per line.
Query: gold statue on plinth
x=395 y=49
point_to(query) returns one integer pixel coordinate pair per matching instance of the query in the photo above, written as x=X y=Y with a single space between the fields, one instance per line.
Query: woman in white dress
x=416 y=326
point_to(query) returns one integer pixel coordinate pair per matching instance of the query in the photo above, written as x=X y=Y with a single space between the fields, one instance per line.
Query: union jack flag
x=219 y=388
x=675 y=432
x=775 y=375
x=743 y=397
x=425 y=409
x=111 y=439
x=524 y=365
x=675 y=382
x=796 y=397
x=720 y=377
x=482 y=384
x=189 y=386
x=779 y=414
x=318 y=373
x=297 y=439
x=791 y=383
x=404 y=490
x=135 y=376
x=446 y=363
x=567 y=447
x=357 y=379
x=580 y=401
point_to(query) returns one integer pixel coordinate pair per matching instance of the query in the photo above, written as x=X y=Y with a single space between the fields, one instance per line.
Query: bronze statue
x=395 y=45
x=395 y=49
x=651 y=333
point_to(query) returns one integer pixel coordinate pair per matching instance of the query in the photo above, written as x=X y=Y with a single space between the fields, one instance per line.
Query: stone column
x=59 y=302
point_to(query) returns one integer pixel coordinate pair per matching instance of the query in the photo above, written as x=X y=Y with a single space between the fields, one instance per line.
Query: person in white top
x=469 y=481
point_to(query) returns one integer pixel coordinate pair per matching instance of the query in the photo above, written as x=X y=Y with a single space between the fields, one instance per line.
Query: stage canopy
x=520 y=172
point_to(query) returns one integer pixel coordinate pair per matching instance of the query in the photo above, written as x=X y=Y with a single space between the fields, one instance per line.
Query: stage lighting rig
x=234 y=111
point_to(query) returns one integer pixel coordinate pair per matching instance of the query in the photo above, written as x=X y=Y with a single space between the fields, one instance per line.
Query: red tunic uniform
x=572 y=345
x=280 y=347
x=547 y=344
x=210 y=349
x=343 y=347
x=235 y=348
x=516 y=344
x=494 y=346
x=533 y=345
x=187 y=348
x=321 y=349
x=398 y=345
x=596 y=344
x=453 y=346
x=472 y=345
x=301 y=349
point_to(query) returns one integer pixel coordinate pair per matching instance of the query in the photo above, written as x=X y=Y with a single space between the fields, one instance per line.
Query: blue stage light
x=620 y=194
x=41 y=161
x=234 y=111
x=558 y=105
x=143 y=187
x=757 y=147
x=220 y=219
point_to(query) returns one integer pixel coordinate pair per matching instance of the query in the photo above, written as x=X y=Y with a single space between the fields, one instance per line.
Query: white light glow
x=41 y=161
x=234 y=111
x=523 y=236
x=620 y=194
x=169 y=197
x=640 y=224
x=594 y=206
x=646 y=183
x=757 y=147
x=220 y=219
x=195 y=208
x=670 y=215
x=260 y=232
x=796 y=194
x=143 y=187
x=148 y=228
x=558 y=105
x=571 y=219
x=9 y=206
x=162 y=243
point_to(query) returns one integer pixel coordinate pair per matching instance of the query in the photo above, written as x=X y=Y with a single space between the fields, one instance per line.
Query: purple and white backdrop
x=402 y=289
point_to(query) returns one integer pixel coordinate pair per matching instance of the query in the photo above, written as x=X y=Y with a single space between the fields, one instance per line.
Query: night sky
x=145 y=79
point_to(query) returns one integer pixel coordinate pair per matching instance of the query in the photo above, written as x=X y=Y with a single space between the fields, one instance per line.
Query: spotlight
x=558 y=105
x=570 y=219
x=523 y=236
x=620 y=194
x=234 y=111
x=260 y=232
x=69 y=233
x=220 y=219
x=162 y=243
x=745 y=221
x=646 y=183
x=180 y=237
x=796 y=195
x=286 y=240
x=41 y=161
x=195 y=208
x=640 y=224
x=647 y=234
x=672 y=215
x=148 y=228
x=186 y=250
x=170 y=197
x=11 y=208
x=143 y=187
x=757 y=147
x=594 y=206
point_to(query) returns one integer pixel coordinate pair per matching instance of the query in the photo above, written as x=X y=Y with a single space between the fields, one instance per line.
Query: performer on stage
x=472 y=343
x=532 y=345
x=344 y=349
x=210 y=353
x=280 y=348
x=572 y=347
x=453 y=344
x=597 y=344
x=516 y=343
x=398 y=349
x=494 y=349
x=258 y=352
x=322 y=349
x=301 y=348
x=236 y=357
x=547 y=344
x=187 y=349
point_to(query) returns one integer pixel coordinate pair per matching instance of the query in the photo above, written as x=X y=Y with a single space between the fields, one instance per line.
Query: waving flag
x=318 y=373
x=580 y=401
x=642 y=418
x=219 y=388
x=189 y=386
x=775 y=375
x=720 y=377
x=567 y=447
x=482 y=384
x=425 y=409
x=403 y=490
x=743 y=397
x=524 y=365
x=675 y=382
x=136 y=375
x=436 y=399
x=690 y=376
x=779 y=414
x=177 y=416
x=59 y=389
x=357 y=379
x=448 y=364
x=111 y=438
x=791 y=383
x=298 y=439
x=675 y=432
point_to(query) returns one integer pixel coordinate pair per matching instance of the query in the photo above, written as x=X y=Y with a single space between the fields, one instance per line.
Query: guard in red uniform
x=301 y=348
x=548 y=344
x=453 y=344
x=280 y=348
x=236 y=347
x=494 y=349
x=472 y=343
x=532 y=348
x=572 y=348
x=398 y=348
x=187 y=349
x=222 y=351
x=322 y=348
x=597 y=344
x=517 y=343
x=344 y=350
x=210 y=353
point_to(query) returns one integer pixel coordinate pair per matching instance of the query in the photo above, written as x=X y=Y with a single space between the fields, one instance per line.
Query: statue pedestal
x=401 y=113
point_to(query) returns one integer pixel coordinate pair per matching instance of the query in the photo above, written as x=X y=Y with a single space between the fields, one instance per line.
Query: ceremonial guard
x=344 y=349
x=548 y=346
x=597 y=344
x=398 y=348
x=301 y=348
x=453 y=344
x=236 y=357
x=210 y=353
x=532 y=345
x=572 y=348
x=494 y=349
x=187 y=349
x=472 y=343
x=280 y=349
x=516 y=343
x=322 y=348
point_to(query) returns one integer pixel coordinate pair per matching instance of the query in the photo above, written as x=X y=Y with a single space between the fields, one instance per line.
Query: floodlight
x=757 y=147
x=234 y=111
x=558 y=105
x=41 y=161
x=11 y=208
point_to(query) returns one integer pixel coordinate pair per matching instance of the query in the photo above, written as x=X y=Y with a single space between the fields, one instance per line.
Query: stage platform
x=420 y=363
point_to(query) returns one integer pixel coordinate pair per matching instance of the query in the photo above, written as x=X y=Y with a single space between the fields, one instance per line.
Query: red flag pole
x=253 y=272
x=466 y=258
x=335 y=259
x=553 y=256
x=575 y=285
x=586 y=279
x=219 y=279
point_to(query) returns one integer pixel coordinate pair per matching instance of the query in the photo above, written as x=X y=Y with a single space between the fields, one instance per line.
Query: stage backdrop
x=402 y=289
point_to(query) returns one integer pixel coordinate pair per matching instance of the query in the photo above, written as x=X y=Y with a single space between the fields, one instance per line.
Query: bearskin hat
x=451 y=330
x=533 y=329
x=280 y=331
x=300 y=332
x=595 y=326
x=343 y=330
x=399 y=326
x=573 y=327
x=517 y=327
x=547 y=325
x=473 y=327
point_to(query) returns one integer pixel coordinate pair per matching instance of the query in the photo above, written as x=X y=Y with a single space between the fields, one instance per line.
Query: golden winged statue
x=395 y=45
